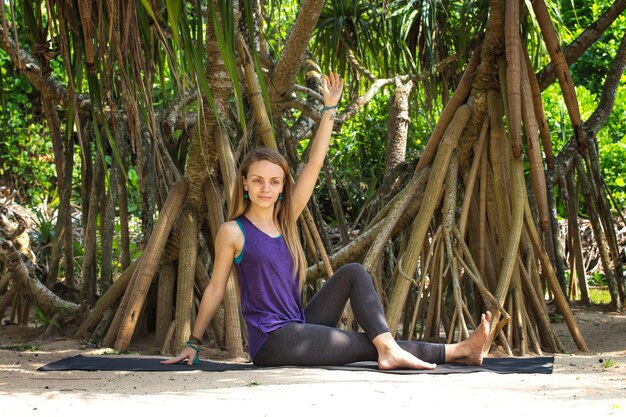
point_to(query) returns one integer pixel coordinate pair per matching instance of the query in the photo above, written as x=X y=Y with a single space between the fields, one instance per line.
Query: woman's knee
x=354 y=271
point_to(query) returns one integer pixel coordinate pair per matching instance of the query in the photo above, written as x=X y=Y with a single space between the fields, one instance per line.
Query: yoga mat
x=531 y=365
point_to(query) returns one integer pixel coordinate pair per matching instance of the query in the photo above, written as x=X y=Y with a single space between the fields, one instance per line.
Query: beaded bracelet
x=197 y=359
x=194 y=347
x=195 y=340
x=329 y=107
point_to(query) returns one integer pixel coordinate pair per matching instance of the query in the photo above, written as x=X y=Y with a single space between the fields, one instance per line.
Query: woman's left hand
x=332 y=85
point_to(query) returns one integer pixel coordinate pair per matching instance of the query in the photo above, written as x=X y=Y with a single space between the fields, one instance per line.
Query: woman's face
x=264 y=183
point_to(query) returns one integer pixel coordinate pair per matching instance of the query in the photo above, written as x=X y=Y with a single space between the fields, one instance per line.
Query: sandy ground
x=581 y=385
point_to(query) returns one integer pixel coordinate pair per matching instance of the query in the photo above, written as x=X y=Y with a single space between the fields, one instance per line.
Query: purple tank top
x=270 y=292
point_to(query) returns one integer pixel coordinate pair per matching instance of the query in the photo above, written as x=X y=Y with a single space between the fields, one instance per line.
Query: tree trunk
x=288 y=65
x=187 y=259
x=124 y=230
x=573 y=51
x=150 y=263
x=165 y=302
x=397 y=127
x=89 y=279
x=408 y=263
x=335 y=200
x=562 y=71
x=47 y=301
x=108 y=228
x=208 y=149
x=499 y=200
x=65 y=213
x=107 y=300
x=578 y=267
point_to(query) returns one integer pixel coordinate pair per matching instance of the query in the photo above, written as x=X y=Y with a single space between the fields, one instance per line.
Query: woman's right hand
x=188 y=353
x=332 y=85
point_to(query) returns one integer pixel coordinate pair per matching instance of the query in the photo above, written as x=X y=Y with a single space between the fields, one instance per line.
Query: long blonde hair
x=283 y=212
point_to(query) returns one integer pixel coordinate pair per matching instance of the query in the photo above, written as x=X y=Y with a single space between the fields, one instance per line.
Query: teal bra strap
x=240 y=257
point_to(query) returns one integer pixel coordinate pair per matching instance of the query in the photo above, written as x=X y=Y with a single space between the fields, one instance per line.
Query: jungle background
x=122 y=125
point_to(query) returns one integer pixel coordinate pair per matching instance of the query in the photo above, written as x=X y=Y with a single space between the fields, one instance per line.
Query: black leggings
x=319 y=342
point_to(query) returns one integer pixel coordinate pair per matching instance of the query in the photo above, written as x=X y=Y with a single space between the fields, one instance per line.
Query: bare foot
x=392 y=356
x=401 y=359
x=470 y=351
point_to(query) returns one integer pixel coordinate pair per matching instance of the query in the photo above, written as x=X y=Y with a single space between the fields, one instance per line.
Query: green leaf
x=22 y=347
x=225 y=36
x=148 y=8
x=257 y=60
x=174 y=15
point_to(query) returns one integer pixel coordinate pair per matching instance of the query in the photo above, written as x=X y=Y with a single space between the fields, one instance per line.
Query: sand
x=582 y=384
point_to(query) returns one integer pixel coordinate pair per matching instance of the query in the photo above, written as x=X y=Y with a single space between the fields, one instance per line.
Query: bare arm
x=225 y=248
x=332 y=86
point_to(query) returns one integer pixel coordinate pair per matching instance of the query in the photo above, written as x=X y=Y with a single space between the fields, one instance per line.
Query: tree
x=181 y=91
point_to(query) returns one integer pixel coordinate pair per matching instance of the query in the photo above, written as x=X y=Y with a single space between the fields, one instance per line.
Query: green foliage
x=399 y=37
x=45 y=221
x=556 y=113
x=556 y=317
x=611 y=139
x=598 y=290
x=612 y=145
x=357 y=152
x=41 y=319
x=609 y=363
x=597 y=279
x=278 y=20
x=599 y=296
x=22 y=347
x=363 y=29
x=591 y=69
x=25 y=151
x=115 y=352
x=388 y=38
x=589 y=73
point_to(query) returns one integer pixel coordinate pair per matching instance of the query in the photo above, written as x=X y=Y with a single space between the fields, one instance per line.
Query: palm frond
x=224 y=29
x=249 y=16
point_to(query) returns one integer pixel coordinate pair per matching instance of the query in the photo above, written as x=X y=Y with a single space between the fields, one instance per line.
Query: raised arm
x=226 y=244
x=331 y=87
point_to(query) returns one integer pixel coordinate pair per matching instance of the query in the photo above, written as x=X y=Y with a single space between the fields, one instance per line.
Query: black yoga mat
x=531 y=365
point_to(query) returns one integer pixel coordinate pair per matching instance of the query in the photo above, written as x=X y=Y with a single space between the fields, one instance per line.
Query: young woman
x=261 y=240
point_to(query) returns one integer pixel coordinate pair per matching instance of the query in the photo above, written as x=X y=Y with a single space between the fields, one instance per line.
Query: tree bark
x=374 y=256
x=408 y=262
x=397 y=127
x=60 y=161
x=187 y=259
x=562 y=71
x=89 y=282
x=165 y=302
x=288 y=65
x=45 y=299
x=29 y=66
x=210 y=149
x=553 y=282
x=584 y=41
x=574 y=235
x=107 y=300
x=459 y=97
x=108 y=228
x=335 y=200
x=124 y=229
x=150 y=263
